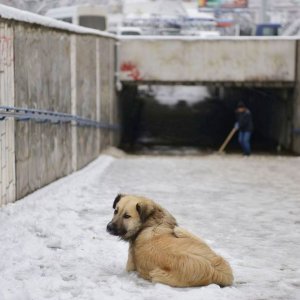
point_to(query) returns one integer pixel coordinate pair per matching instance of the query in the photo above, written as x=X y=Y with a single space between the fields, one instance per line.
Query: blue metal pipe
x=44 y=116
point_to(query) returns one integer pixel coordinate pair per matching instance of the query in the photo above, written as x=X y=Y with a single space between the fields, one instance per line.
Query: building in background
x=228 y=17
x=252 y=17
x=168 y=17
x=223 y=3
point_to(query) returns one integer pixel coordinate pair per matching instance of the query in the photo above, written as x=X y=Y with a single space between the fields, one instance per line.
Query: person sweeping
x=244 y=125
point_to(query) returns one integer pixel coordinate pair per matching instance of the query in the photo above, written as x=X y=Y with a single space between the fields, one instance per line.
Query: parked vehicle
x=268 y=29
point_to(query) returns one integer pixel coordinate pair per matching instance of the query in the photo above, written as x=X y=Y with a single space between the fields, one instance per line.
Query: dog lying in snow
x=160 y=251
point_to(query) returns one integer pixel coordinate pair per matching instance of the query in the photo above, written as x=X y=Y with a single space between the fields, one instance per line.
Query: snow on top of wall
x=10 y=13
x=195 y=37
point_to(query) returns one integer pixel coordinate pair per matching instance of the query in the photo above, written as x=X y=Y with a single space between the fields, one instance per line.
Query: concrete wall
x=86 y=104
x=42 y=81
x=55 y=70
x=236 y=61
x=107 y=110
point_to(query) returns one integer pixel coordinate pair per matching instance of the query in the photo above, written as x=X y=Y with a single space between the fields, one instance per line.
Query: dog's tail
x=222 y=274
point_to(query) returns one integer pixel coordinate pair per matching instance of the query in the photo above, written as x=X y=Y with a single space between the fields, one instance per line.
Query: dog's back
x=179 y=259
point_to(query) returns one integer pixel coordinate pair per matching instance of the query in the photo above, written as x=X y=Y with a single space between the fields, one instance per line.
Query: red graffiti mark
x=6 y=53
x=5 y=38
x=127 y=66
x=132 y=70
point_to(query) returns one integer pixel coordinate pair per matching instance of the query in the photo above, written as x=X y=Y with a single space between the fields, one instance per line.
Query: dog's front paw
x=130 y=267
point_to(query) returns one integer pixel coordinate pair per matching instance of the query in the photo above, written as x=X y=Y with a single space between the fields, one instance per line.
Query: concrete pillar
x=264 y=18
x=7 y=126
x=98 y=90
x=74 y=100
x=296 y=106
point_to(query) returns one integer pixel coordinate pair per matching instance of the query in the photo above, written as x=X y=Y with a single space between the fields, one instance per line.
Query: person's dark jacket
x=244 y=120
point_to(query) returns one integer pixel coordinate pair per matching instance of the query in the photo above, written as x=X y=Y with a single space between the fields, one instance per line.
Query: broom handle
x=229 y=137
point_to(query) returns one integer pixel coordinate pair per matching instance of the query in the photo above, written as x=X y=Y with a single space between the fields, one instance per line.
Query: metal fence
x=57 y=104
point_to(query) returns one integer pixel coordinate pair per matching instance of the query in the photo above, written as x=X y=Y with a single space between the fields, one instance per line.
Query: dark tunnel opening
x=148 y=122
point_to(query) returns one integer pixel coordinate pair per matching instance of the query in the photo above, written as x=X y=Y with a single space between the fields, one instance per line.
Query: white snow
x=212 y=37
x=54 y=245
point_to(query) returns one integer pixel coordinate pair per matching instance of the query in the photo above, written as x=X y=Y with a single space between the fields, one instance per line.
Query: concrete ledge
x=10 y=13
x=271 y=84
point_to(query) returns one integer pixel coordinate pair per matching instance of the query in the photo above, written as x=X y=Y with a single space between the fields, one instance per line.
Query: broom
x=227 y=140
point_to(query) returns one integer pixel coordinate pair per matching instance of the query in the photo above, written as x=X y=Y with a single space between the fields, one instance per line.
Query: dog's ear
x=117 y=199
x=145 y=210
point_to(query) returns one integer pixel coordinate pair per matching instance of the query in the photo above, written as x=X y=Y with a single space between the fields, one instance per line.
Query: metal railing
x=44 y=116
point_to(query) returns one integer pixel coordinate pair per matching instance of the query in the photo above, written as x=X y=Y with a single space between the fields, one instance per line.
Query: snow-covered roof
x=159 y=7
x=10 y=13
x=67 y=11
x=62 y=10
x=191 y=13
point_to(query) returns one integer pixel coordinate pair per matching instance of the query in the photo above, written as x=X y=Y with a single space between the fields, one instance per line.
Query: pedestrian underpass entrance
x=264 y=72
x=160 y=117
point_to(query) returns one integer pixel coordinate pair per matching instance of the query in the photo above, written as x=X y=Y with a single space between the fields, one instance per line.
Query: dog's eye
x=126 y=216
x=116 y=211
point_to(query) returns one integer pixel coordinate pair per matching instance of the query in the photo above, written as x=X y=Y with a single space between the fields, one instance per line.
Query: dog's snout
x=111 y=227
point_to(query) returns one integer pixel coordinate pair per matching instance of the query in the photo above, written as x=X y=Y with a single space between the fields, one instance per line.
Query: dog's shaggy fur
x=160 y=251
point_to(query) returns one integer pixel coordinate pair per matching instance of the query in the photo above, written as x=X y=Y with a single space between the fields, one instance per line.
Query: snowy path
x=53 y=243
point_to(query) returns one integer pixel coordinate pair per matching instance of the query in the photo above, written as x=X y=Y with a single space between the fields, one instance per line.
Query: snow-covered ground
x=54 y=245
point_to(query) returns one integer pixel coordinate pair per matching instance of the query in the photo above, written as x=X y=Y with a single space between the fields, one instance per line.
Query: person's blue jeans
x=244 y=140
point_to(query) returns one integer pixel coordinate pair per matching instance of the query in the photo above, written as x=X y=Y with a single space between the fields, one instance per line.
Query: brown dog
x=160 y=251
